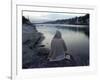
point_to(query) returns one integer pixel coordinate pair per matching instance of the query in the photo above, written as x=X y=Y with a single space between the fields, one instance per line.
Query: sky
x=38 y=17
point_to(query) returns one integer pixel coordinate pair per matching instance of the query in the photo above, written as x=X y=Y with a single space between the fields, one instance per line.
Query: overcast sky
x=37 y=17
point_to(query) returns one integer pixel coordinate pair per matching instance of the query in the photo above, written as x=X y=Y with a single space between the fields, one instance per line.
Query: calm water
x=76 y=41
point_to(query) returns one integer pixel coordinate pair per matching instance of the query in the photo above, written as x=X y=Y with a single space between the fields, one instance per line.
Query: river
x=77 y=42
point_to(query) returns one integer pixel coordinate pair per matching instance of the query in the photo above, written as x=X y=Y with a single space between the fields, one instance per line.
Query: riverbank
x=31 y=40
x=34 y=54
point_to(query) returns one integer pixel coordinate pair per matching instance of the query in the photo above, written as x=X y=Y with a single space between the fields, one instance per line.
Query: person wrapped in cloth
x=58 y=48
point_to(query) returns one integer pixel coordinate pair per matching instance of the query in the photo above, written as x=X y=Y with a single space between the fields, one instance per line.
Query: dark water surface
x=76 y=41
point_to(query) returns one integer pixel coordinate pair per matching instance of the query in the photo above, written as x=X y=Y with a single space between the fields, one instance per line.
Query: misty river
x=77 y=42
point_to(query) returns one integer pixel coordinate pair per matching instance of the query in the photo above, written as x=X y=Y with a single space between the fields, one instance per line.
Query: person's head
x=58 y=34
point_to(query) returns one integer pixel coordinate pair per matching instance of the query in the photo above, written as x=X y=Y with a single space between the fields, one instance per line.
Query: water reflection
x=76 y=39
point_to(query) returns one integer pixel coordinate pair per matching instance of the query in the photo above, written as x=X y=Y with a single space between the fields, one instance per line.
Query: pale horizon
x=37 y=17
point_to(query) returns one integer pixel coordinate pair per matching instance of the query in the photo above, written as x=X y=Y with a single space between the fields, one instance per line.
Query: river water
x=77 y=42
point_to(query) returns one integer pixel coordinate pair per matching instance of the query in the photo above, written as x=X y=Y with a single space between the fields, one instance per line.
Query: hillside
x=82 y=20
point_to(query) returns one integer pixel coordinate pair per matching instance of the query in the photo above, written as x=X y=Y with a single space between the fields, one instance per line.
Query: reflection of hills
x=82 y=20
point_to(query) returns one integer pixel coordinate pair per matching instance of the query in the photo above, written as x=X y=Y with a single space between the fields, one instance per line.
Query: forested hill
x=82 y=20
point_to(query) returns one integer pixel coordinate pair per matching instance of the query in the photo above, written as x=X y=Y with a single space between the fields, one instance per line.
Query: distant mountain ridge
x=82 y=20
